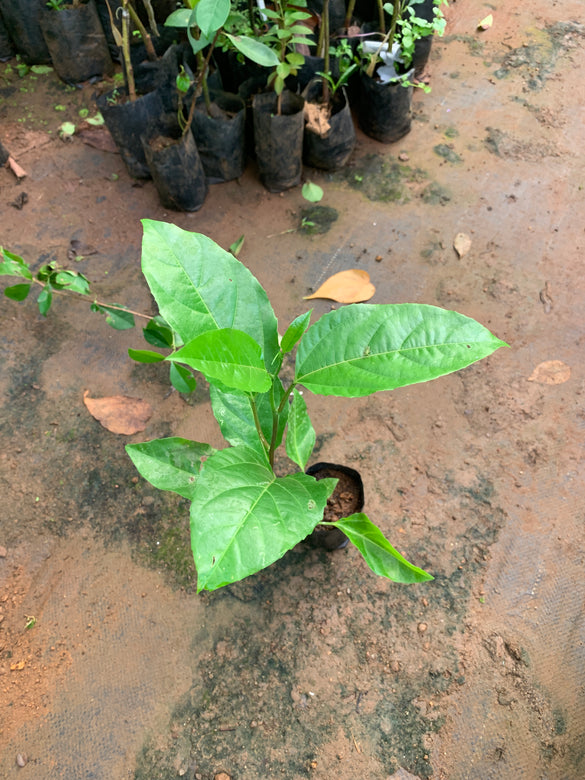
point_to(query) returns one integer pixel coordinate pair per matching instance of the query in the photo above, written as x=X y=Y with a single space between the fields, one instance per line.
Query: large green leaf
x=211 y=15
x=182 y=17
x=17 y=292
x=198 y=287
x=300 y=437
x=379 y=554
x=170 y=464
x=243 y=517
x=230 y=356
x=363 y=348
x=233 y=411
x=254 y=50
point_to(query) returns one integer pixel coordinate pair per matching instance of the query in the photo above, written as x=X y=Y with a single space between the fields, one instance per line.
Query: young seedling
x=243 y=515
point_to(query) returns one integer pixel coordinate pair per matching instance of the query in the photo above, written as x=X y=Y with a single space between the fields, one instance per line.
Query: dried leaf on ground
x=486 y=22
x=119 y=413
x=462 y=244
x=551 y=372
x=351 y=286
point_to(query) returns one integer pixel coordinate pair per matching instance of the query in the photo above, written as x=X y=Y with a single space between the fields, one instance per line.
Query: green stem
x=381 y=19
x=349 y=14
x=325 y=27
x=114 y=306
x=198 y=83
x=150 y=52
x=259 y=430
x=151 y=20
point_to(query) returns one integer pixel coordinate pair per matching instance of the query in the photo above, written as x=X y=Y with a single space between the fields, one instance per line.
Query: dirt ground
x=314 y=668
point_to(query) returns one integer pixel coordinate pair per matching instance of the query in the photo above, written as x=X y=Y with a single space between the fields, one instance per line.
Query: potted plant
x=329 y=130
x=217 y=117
x=278 y=115
x=21 y=19
x=243 y=515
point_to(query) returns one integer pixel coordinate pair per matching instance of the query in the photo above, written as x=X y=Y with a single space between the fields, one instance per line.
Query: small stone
x=422 y=627
x=3 y=552
x=379 y=258
x=222 y=776
x=403 y=157
x=21 y=759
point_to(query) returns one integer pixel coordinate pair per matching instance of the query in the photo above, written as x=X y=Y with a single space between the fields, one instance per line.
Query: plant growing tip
x=243 y=516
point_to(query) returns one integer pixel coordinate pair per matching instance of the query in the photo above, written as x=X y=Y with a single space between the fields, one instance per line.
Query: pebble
x=222 y=776
x=3 y=552
x=422 y=627
x=21 y=759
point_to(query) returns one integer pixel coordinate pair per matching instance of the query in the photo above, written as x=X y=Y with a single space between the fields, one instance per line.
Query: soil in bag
x=7 y=50
x=329 y=134
x=385 y=108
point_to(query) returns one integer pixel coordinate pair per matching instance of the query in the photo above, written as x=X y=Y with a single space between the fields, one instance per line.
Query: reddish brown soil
x=315 y=667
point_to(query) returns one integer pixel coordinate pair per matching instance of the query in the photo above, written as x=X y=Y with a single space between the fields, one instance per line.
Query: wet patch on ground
x=536 y=60
x=506 y=145
x=382 y=179
x=317 y=219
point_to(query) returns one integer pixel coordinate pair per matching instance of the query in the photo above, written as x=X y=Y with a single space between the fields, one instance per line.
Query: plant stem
x=198 y=83
x=126 y=51
x=251 y=17
x=150 y=52
x=381 y=19
x=349 y=14
x=114 y=306
x=326 y=34
x=259 y=430
x=151 y=19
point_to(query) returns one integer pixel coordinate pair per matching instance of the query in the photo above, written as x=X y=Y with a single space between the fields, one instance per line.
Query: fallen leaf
x=551 y=372
x=119 y=413
x=351 y=286
x=462 y=244
x=486 y=23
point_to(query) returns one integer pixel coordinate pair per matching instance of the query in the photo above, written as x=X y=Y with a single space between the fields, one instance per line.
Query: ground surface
x=314 y=668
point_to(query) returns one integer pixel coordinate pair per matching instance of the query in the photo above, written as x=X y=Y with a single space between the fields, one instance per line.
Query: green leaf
x=211 y=15
x=379 y=554
x=72 y=281
x=170 y=464
x=228 y=355
x=364 y=348
x=312 y=192
x=40 y=70
x=183 y=17
x=233 y=411
x=300 y=437
x=13 y=265
x=254 y=50
x=295 y=58
x=158 y=334
x=145 y=356
x=17 y=292
x=44 y=300
x=199 y=287
x=116 y=318
x=243 y=517
x=182 y=379
x=294 y=331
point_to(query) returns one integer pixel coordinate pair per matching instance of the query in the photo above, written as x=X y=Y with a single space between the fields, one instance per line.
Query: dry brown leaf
x=462 y=244
x=119 y=413
x=551 y=372
x=98 y=137
x=351 y=286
